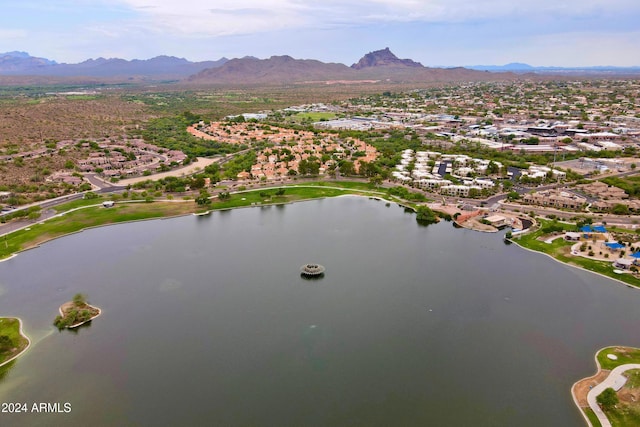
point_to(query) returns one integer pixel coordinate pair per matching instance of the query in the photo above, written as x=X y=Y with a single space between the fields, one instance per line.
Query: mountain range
x=380 y=65
x=518 y=67
x=21 y=63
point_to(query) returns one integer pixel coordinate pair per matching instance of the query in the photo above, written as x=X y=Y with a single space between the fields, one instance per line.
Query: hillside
x=380 y=65
x=277 y=69
x=21 y=63
x=377 y=66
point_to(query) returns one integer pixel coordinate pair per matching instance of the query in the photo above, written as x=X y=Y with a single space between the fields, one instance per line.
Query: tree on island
x=76 y=312
x=79 y=299
x=608 y=399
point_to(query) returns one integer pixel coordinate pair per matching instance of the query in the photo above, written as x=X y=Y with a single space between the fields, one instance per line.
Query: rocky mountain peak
x=383 y=58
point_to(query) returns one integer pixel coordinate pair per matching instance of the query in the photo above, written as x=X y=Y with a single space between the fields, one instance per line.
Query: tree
x=346 y=167
x=204 y=198
x=493 y=168
x=224 y=195
x=79 y=299
x=308 y=167
x=474 y=192
x=513 y=195
x=376 y=180
x=425 y=216
x=620 y=209
x=197 y=182
x=608 y=399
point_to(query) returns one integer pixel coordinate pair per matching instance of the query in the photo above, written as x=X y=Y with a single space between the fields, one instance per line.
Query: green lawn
x=595 y=422
x=15 y=343
x=94 y=214
x=78 y=204
x=633 y=378
x=311 y=117
x=624 y=416
x=625 y=355
x=625 y=413
x=292 y=194
x=89 y=217
x=558 y=250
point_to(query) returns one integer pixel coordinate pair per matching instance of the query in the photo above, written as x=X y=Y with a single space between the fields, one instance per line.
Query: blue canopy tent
x=614 y=245
x=635 y=255
x=587 y=230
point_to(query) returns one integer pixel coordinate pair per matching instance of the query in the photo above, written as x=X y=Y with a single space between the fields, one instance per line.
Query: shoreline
x=81 y=323
x=24 y=350
x=205 y=213
x=593 y=377
x=573 y=265
x=354 y=192
x=598 y=379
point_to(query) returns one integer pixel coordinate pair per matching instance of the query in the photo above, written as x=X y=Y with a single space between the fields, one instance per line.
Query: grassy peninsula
x=625 y=408
x=12 y=341
x=79 y=215
x=560 y=250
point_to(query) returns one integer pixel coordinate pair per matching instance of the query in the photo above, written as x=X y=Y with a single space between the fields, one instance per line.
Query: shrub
x=607 y=399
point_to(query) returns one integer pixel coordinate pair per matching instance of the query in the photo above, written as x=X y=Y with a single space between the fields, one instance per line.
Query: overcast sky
x=433 y=32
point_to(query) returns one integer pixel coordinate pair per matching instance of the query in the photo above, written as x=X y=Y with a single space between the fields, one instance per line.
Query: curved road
x=615 y=380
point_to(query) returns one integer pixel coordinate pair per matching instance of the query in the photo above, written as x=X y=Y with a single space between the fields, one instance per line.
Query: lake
x=206 y=321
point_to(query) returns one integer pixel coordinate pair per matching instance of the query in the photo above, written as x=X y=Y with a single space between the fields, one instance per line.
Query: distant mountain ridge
x=275 y=69
x=379 y=65
x=518 y=67
x=21 y=63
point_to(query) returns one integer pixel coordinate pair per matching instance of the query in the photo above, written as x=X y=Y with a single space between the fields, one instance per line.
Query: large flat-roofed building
x=601 y=190
x=556 y=199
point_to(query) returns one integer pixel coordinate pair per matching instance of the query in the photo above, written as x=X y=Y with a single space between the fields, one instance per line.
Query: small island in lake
x=75 y=313
x=12 y=341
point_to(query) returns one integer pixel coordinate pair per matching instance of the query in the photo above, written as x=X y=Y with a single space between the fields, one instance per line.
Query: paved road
x=615 y=380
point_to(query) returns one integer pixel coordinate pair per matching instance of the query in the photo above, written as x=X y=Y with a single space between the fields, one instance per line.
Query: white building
x=458 y=190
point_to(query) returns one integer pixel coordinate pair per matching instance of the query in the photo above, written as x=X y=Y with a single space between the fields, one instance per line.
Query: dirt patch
x=629 y=395
x=475 y=224
x=582 y=387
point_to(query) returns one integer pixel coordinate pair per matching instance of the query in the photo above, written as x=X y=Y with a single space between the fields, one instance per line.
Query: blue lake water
x=207 y=322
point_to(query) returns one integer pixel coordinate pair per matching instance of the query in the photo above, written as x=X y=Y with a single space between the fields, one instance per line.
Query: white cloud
x=252 y=16
x=432 y=31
